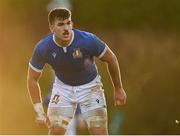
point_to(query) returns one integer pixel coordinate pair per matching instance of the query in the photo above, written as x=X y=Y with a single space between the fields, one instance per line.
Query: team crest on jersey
x=77 y=53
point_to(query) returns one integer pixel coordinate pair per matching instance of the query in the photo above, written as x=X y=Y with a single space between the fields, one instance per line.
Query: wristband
x=38 y=107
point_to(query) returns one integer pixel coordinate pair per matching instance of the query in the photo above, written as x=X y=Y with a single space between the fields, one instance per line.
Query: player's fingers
x=124 y=100
x=118 y=102
x=114 y=103
x=47 y=121
x=41 y=124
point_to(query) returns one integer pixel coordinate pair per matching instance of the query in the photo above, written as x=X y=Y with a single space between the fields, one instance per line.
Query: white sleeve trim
x=104 y=51
x=35 y=69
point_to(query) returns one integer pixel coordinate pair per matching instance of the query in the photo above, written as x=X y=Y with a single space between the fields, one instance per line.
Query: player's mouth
x=66 y=34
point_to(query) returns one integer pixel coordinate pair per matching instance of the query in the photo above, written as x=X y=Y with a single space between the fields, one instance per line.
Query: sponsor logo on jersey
x=54 y=55
x=77 y=53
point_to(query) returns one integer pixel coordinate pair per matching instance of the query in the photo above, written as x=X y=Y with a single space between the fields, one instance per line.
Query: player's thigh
x=60 y=116
x=93 y=108
x=60 y=109
x=60 y=97
x=92 y=98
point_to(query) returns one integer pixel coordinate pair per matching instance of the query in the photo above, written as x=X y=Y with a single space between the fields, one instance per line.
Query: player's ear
x=51 y=27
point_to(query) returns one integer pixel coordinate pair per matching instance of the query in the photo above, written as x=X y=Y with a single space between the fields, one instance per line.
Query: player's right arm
x=35 y=69
x=35 y=95
x=33 y=85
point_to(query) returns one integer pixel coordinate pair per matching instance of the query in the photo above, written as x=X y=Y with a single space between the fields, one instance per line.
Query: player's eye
x=69 y=22
x=60 y=24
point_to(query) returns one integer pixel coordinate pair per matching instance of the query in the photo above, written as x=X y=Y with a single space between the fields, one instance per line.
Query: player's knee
x=97 y=125
x=98 y=131
x=56 y=130
x=58 y=125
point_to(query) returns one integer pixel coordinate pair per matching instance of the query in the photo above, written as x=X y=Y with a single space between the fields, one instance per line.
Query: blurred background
x=145 y=36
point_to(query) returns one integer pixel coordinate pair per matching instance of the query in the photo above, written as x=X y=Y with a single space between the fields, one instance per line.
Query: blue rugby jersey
x=74 y=65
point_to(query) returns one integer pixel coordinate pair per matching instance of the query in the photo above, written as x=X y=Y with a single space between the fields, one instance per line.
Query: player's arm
x=33 y=85
x=114 y=72
x=35 y=95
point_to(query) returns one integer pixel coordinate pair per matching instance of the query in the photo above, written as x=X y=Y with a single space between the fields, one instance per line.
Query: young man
x=71 y=52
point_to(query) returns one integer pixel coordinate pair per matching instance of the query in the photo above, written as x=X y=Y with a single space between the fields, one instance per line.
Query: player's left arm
x=114 y=71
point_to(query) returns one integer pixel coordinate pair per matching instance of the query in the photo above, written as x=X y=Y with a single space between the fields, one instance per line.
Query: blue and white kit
x=74 y=65
x=77 y=80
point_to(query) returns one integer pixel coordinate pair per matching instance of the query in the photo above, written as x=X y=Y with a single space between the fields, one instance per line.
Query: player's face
x=62 y=29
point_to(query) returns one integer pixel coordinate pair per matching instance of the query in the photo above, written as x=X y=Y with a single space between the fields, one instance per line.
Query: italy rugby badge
x=77 y=53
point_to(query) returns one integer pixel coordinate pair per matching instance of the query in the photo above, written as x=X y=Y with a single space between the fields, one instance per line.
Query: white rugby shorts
x=89 y=96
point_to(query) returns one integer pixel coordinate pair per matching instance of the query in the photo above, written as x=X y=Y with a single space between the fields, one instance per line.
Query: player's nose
x=66 y=27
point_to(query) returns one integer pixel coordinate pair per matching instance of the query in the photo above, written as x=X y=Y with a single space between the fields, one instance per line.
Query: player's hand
x=42 y=120
x=120 y=97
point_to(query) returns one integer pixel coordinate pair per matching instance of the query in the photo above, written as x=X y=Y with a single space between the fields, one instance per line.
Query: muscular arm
x=33 y=85
x=113 y=68
x=114 y=72
x=35 y=95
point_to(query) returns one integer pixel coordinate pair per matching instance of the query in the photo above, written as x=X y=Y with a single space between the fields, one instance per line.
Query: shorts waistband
x=97 y=79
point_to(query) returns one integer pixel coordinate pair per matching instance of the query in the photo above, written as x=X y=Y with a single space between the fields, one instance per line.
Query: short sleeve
x=37 y=60
x=99 y=47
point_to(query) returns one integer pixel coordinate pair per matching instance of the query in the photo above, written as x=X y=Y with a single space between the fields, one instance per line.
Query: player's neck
x=61 y=43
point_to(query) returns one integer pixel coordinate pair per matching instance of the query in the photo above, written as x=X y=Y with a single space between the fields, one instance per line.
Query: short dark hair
x=58 y=13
